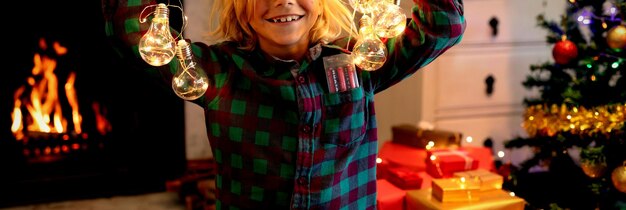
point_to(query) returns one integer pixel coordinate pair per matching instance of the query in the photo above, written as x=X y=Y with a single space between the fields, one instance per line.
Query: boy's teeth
x=285 y=19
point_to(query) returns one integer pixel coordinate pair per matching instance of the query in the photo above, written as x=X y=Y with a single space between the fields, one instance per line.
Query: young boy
x=282 y=139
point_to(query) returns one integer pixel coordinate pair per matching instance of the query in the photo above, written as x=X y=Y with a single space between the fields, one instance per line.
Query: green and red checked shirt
x=280 y=138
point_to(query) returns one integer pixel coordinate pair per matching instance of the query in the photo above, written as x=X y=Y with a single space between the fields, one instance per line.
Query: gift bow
x=463 y=154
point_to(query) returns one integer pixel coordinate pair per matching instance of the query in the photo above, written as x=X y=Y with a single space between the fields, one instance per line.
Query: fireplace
x=76 y=121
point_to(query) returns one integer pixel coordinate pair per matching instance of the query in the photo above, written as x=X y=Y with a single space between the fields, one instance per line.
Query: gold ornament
x=593 y=170
x=616 y=37
x=593 y=161
x=619 y=178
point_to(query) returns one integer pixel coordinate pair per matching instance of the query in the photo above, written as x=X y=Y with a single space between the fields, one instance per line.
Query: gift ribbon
x=463 y=182
x=468 y=160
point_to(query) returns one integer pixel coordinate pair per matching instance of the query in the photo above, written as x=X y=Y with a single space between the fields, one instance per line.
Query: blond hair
x=233 y=17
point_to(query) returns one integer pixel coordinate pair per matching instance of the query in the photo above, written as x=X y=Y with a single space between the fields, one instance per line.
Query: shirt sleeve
x=124 y=30
x=435 y=26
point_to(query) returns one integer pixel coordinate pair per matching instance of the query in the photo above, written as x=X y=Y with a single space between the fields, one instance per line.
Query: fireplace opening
x=75 y=120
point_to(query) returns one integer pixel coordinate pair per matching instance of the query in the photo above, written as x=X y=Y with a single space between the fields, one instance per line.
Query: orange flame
x=42 y=102
x=102 y=124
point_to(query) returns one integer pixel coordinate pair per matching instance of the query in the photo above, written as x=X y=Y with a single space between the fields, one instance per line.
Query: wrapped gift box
x=397 y=155
x=405 y=179
x=382 y=166
x=455 y=189
x=493 y=200
x=413 y=136
x=443 y=163
x=389 y=197
x=488 y=180
x=484 y=155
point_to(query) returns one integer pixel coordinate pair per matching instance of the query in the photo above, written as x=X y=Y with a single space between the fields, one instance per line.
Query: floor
x=152 y=201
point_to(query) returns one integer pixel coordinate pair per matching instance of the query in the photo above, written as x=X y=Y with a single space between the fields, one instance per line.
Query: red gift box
x=389 y=197
x=397 y=155
x=484 y=155
x=382 y=167
x=443 y=163
x=405 y=179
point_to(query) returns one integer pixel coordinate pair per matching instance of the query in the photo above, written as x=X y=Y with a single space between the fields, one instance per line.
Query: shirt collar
x=313 y=54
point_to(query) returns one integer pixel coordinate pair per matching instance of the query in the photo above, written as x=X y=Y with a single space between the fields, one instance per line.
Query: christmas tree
x=575 y=124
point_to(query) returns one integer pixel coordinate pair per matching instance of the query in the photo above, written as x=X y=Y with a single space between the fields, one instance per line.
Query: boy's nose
x=277 y=3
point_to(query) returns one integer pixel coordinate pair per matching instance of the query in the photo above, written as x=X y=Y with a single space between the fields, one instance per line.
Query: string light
x=190 y=81
x=157 y=47
x=380 y=19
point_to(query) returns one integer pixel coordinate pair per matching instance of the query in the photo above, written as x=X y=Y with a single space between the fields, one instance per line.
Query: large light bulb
x=157 y=46
x=190 y=81
x=369 y=52
x=390 y=20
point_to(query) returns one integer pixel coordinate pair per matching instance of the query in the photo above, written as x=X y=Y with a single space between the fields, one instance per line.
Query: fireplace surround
x=131 y=137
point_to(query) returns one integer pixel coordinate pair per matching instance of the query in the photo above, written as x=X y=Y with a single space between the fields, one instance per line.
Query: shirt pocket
x=344 y=117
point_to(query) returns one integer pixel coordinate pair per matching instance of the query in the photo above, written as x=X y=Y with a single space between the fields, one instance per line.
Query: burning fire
x=40 y=98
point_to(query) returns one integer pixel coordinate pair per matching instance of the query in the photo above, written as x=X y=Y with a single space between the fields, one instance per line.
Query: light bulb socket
x=161 y=11
x=183 y=50
x=365 y=21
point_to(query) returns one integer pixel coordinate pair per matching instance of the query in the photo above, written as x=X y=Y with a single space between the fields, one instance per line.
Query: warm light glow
x=430 y=145
x=512 y=194
x=190 y=82
x=369 y=52
x=157 y=46
x=469 y=139
x=379 y=160
x=432 y=157
x=390 y=20
x=500 y=154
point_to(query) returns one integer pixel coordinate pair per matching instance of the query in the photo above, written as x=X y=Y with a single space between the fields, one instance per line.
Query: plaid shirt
x=280 y=138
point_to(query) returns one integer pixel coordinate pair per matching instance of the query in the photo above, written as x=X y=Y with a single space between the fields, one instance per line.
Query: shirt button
x=306 y=129
x=301 y=79
x=301 y=180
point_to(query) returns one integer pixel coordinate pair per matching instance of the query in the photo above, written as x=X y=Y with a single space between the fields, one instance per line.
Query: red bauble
x=564 y=51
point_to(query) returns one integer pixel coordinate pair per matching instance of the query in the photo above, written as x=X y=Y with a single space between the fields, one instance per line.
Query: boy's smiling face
x=283 y=26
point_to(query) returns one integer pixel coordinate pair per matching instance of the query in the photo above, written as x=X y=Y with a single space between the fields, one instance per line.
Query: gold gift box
x=456 y=189
x=413 y=136
x=488 y=180
x=492 y=200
